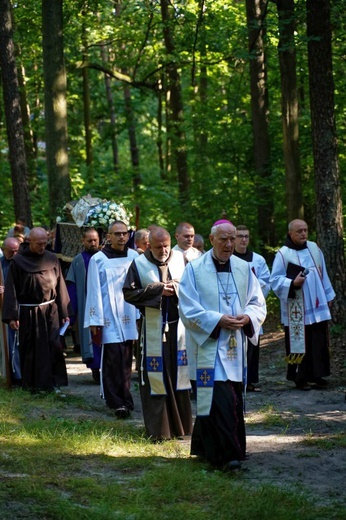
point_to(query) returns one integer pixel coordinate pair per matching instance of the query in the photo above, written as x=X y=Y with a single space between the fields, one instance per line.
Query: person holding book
x=300 y=280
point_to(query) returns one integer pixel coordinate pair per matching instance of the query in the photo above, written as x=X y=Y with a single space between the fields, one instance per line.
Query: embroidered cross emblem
x=154 y=364
x=126 y=320
x=205 y=378
x=296 y=313
x=196 y=323
x=92 y=311
x=183 y=358
x=107 y=323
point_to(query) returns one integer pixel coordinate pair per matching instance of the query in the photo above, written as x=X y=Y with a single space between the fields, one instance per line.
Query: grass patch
x=270 y=417
x=55 y=467
x=326 y=442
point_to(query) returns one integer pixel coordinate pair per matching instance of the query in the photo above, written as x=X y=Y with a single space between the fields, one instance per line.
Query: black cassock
x=36 y=295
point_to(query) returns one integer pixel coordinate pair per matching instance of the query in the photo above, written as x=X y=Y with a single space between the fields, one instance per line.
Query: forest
x=180 y=110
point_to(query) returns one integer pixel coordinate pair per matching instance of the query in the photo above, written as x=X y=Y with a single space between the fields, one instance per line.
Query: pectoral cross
x=227 y=298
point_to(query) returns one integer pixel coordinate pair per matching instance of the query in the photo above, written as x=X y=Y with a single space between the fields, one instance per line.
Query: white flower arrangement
x=103 y=214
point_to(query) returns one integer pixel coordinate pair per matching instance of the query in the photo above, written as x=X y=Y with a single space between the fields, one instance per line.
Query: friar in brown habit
x=36 y=304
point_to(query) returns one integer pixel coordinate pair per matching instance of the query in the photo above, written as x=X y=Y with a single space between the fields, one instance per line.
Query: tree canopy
x=159 y=111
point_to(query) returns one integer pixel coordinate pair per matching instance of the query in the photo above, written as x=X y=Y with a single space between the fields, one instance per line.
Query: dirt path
x=285 y=449
x=285 y=426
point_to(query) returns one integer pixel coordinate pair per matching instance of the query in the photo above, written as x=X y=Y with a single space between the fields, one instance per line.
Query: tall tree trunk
x=86 y=106
x=255 y=12
x=289 y=109
x=176 y=111
x=14 y=123
x=55 y=105
x=112 y=113
x=199 y=82
x=329 y=222
x=163 y=171
x=131 y=127
x=29 y=143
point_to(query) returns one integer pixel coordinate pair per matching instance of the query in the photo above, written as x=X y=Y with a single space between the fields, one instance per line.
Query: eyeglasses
x=243 y=237
x=119 y=233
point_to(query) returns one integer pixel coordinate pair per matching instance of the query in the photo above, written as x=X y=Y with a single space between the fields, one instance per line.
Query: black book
x=293 y=270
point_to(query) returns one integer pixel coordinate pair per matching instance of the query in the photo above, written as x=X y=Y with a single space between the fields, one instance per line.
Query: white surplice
x=202 y=303
x=105 y=305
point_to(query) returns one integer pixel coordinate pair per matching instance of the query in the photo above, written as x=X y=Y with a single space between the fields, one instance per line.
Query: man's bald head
x=298 y=231
x=38 y=239
x=10 y=247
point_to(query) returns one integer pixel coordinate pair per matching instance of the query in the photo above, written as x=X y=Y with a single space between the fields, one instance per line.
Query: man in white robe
x=221 y=303
x=112 y=321
x=305 y=300
x=184 y=235
x=261 y=271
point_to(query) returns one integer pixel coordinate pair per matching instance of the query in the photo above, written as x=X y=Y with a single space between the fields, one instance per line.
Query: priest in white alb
x=300 y=280
x=221 y=304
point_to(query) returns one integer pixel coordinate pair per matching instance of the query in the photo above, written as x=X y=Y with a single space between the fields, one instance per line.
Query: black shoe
x=122 y=412
x=96 y=375
x=320 y=383
x=231 y=466
x=303 y=386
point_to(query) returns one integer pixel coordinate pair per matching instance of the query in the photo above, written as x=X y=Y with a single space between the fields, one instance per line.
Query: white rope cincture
x=36 y=304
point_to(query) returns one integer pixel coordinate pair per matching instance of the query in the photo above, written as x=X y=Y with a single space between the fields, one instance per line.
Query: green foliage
x=337 y=329
x=211 y=52
x=273 y=308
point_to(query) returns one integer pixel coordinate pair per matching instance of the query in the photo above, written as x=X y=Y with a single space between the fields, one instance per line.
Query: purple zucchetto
x=218 y=222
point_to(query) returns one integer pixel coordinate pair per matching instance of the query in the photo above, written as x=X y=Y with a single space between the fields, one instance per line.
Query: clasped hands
x=234 y=322
x=168 y=289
